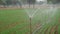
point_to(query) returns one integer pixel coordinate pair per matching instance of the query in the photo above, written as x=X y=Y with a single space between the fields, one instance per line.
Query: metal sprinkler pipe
x=30 y=25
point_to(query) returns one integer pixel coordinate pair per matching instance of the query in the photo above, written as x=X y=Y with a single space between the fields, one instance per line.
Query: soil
x=52 y=30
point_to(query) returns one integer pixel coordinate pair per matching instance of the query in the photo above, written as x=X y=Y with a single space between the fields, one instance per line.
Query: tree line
x=18 y=2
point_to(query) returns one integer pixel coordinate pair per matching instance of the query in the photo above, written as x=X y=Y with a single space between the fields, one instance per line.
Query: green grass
x=9 y=17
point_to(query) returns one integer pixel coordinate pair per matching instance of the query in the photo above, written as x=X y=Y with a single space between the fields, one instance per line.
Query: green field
x=16 y=21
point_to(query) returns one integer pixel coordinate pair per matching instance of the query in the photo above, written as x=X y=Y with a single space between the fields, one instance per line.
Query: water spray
x=31 y=15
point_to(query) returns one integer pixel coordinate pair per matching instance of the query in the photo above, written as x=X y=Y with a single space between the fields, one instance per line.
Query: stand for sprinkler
x=30 y=25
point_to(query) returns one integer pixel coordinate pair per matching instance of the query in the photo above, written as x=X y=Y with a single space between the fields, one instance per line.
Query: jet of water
x=51 y=11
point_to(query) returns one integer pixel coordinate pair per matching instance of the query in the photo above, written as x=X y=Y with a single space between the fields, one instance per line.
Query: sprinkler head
x=30 y=16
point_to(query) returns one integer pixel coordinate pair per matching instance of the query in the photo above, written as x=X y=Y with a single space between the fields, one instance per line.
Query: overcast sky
x=40 y=0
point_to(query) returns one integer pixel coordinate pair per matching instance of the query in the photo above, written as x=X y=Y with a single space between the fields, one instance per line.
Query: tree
x=31 y=2
x=2 y=2
x=14 y=2
x=54 y=1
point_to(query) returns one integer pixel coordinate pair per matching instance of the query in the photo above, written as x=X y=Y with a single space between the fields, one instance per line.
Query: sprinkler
x=30 y=19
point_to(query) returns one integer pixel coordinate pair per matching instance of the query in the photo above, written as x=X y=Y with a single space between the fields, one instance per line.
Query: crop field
x=16 y=21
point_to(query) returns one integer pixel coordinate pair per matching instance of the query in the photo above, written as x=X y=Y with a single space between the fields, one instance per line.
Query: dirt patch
x=24 y=7
x=53 y=30
x=56 y=29
x=10 y=8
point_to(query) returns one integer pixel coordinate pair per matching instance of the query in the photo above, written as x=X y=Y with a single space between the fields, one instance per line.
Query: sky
x=40 y=0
